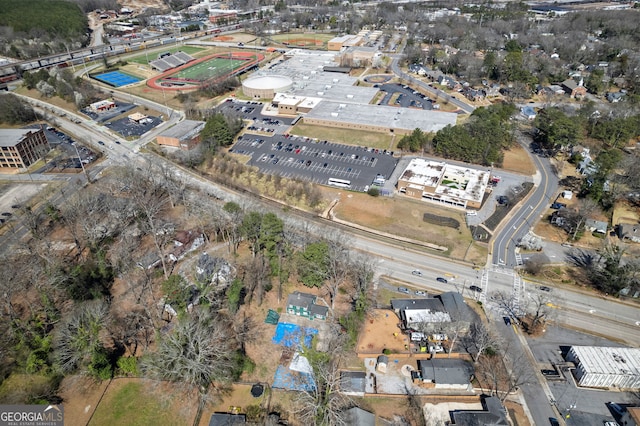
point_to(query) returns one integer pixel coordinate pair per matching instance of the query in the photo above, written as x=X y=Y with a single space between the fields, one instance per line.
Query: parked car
x=544 y=288
x=476 y=288
x=417 y=272
x=421 y=293
x=507 y=320
x=441 y=280
x=404 y=290
x=553 y=421
x=558 y=206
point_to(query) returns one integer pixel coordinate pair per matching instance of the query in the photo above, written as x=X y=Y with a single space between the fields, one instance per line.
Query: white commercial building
x=604 y=367
x=443 y=183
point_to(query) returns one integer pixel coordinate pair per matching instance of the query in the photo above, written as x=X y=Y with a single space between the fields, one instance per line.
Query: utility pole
x=82 y=164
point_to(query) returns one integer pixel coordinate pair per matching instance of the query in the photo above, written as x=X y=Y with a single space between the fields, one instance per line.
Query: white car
x=472 y=213
x=417 y=272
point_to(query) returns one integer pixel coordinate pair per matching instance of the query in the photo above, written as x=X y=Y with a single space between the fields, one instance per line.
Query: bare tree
x=362 y=270
x=539 y=309
x=338 y=265
x=504 y=371
x=323 y=404
x=198 y=354
x=256 y=278
x=478 y=340
x=79 y=336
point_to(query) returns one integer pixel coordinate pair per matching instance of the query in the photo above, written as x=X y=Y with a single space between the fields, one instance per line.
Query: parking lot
x=306 y=159
x=274 y=151
x=407 y=98
x=584 y=406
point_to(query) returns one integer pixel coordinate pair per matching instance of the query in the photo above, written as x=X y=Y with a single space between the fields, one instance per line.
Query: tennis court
x=116 y=78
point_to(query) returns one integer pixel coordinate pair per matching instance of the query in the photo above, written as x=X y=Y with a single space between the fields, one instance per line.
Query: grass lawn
x=214 y=67
x=18 y=387
x=346 y=136
x=134 y=403
x=303 y=39
x=382 y=213
x=142 y=59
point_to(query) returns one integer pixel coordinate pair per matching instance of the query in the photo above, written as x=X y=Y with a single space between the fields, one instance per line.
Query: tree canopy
x=555 y=129
x=59 y=18
x=480 y=140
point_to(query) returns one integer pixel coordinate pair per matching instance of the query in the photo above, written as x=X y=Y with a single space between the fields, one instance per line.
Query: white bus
x=340 y=183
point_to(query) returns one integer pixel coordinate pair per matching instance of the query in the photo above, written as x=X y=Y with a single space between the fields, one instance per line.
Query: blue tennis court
x=116 y=78
x=290 y=335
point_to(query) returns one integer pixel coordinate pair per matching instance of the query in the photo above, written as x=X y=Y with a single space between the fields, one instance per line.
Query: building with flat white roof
x=439 y=182
x=378 y=118
x=338 y=43
x=605 y=367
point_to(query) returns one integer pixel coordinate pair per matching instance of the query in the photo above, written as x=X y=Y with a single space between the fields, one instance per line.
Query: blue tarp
x=292 y=380
x=289 y=335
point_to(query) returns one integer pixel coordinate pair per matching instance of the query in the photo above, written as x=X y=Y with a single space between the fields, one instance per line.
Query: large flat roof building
x=378 y=118
x=184 y=135
x=347 y=40
x=19 y=148
x=443 y=183
x=604 y=367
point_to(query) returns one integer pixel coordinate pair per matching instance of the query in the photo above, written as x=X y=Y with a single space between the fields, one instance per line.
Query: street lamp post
x=82 y=164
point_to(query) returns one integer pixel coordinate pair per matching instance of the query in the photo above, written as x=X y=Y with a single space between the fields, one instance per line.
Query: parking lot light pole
x=82 y=164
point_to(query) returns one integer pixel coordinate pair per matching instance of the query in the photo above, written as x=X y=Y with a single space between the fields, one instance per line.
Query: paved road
x=582 y=310
x=395 y=67
x=524 y=218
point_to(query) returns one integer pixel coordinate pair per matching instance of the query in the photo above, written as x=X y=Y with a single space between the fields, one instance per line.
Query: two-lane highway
x=525 y=216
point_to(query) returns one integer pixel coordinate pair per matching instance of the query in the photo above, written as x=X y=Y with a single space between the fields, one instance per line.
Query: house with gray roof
x=353 y=382
x=304 y=305
x=446 y=373
x=430 y=315
x=598 y=226
x=227 y=419
x=358 y=417
x=629 y=231
x=494 y=413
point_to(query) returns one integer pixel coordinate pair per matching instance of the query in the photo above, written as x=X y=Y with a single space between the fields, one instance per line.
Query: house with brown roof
x=573 y=89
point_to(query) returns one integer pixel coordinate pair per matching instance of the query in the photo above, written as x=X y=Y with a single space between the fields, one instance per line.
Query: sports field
x=144 y=59
x=116 y=78
x=212 y=68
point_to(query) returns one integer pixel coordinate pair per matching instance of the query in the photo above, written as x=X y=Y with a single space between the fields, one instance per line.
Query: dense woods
x=50 y=25
x=480 y=140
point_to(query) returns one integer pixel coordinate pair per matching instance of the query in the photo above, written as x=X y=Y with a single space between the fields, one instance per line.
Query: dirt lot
x=403 y=217
x=380 y=332
x=517 y=160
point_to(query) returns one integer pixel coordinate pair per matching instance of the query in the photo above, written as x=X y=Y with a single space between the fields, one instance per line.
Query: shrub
x=128 y=365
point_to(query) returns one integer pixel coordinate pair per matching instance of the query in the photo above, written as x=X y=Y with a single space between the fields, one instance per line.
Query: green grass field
x=142 y=59
x=214 y=67
x=132 y=404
